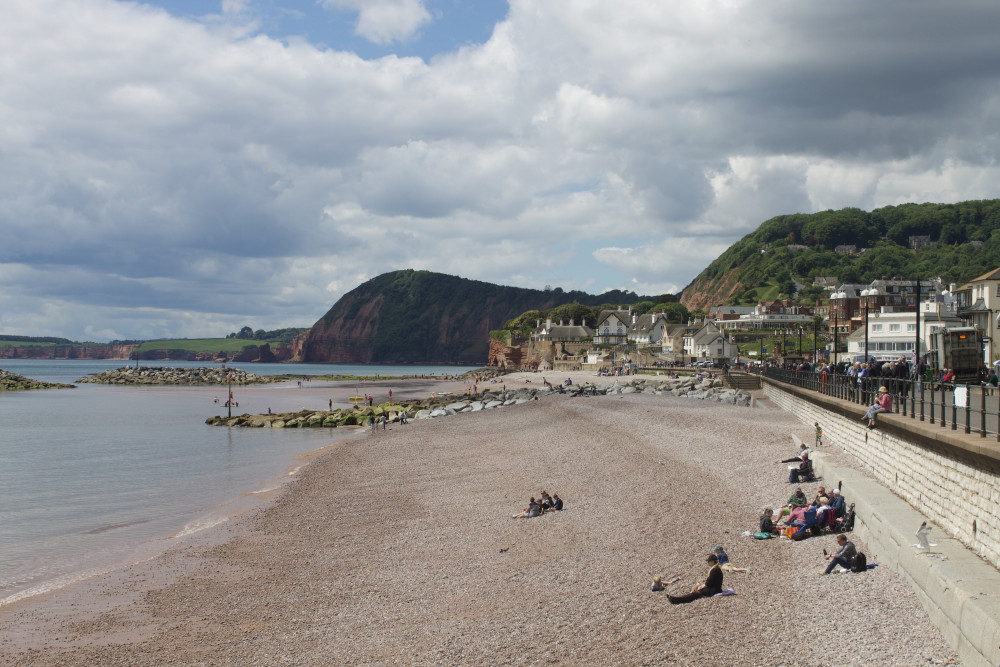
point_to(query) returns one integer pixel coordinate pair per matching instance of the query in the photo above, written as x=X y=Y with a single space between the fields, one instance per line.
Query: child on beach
x=819 y=434
x=723 y=558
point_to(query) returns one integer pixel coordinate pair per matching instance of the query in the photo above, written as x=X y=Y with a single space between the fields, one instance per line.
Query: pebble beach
x=398 y=547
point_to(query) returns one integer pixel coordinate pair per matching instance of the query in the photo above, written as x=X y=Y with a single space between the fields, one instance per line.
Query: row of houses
x=886 y=310
x=877 y=319
x=652 y=334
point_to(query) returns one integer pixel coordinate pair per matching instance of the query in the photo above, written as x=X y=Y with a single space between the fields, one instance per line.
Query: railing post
x=954 y=411
x=920 y=382
x=968 y=410
x=932 y=405
x=982 y=413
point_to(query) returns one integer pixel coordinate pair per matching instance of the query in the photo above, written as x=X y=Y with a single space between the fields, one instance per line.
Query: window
x=911 y=328
x=894 y=327
x=876 y=327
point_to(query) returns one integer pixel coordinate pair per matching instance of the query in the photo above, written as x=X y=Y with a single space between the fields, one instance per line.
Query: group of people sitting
x=545 y=503
x=800 y=518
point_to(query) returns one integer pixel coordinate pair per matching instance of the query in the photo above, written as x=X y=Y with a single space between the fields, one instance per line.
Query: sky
x=183 y=168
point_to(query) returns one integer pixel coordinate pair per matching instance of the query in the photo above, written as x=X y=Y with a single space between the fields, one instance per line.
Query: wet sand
x=399 y=548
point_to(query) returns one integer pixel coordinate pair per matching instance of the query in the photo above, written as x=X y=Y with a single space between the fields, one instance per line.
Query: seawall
x=923 y=472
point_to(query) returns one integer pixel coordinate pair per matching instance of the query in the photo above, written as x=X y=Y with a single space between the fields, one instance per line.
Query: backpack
x=860 y=563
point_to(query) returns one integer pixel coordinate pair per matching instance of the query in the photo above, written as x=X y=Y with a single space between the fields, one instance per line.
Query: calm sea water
x=98 y=475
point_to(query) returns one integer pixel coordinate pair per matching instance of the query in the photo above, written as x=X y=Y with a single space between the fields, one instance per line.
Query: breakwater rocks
x=445 y=405
x=688 y=387
x=14 y=382
x=155 y=375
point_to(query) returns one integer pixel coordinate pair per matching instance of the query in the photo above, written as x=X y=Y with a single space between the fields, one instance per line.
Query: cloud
x=175 y=176
x=385 y=21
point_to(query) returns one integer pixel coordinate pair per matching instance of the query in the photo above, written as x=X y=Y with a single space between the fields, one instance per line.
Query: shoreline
x=67 y=571
x=398 y=548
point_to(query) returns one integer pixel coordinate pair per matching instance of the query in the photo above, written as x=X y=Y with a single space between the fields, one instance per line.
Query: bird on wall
x=922 y=533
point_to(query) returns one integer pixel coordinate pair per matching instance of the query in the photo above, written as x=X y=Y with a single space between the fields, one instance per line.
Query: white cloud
x=211 y=178
x=385 y=21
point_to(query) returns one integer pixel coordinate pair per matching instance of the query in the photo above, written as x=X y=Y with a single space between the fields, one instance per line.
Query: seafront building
x=893 y=333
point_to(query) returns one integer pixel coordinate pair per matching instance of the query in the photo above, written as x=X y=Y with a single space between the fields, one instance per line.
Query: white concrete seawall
x=911 y=475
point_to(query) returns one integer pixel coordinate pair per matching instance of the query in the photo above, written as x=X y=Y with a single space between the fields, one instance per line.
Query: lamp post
x=815 y=338
x=800 y=341
x=836 y=331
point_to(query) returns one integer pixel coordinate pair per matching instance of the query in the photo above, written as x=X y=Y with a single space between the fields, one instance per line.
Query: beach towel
x=725 y=591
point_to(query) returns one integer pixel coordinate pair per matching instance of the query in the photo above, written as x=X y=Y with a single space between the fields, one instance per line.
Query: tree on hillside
x=676 y=312
x=642 y=307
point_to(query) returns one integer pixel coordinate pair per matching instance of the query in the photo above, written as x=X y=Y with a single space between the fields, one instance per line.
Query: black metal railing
x=927 y=401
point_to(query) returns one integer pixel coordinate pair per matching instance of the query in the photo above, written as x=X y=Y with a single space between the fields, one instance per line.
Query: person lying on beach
x=711 y=586
x=798 y=457
x=532 y=510
x=723 y=558
x=660 y=585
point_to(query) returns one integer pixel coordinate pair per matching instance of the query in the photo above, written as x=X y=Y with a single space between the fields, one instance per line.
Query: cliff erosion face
x=418 y=317
x=346 y=334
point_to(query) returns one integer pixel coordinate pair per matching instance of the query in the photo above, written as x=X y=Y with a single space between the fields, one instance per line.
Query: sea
x=98 y=476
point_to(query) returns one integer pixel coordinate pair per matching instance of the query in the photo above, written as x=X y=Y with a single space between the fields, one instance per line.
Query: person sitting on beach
x=557 y=503
x=723 y=558
x=820 y=493
x=822 y=510
x=838 y=503
x=545 y=500
x=532 y=510
x=797 y=499
x=844 y=556
x=657 y=584
x=884 y=404
x=803 y=473
x=766 y=524
x=711 y=586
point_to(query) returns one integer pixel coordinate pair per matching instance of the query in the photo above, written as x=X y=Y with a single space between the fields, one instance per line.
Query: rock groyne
x=450 y=404
x=175 y=376
x=14 y=382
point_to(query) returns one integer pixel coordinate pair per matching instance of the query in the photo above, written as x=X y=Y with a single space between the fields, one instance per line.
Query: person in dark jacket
x=844 y=557
x=711 y=586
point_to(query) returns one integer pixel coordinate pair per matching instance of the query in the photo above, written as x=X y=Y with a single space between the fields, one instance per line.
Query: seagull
x=922 y=534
